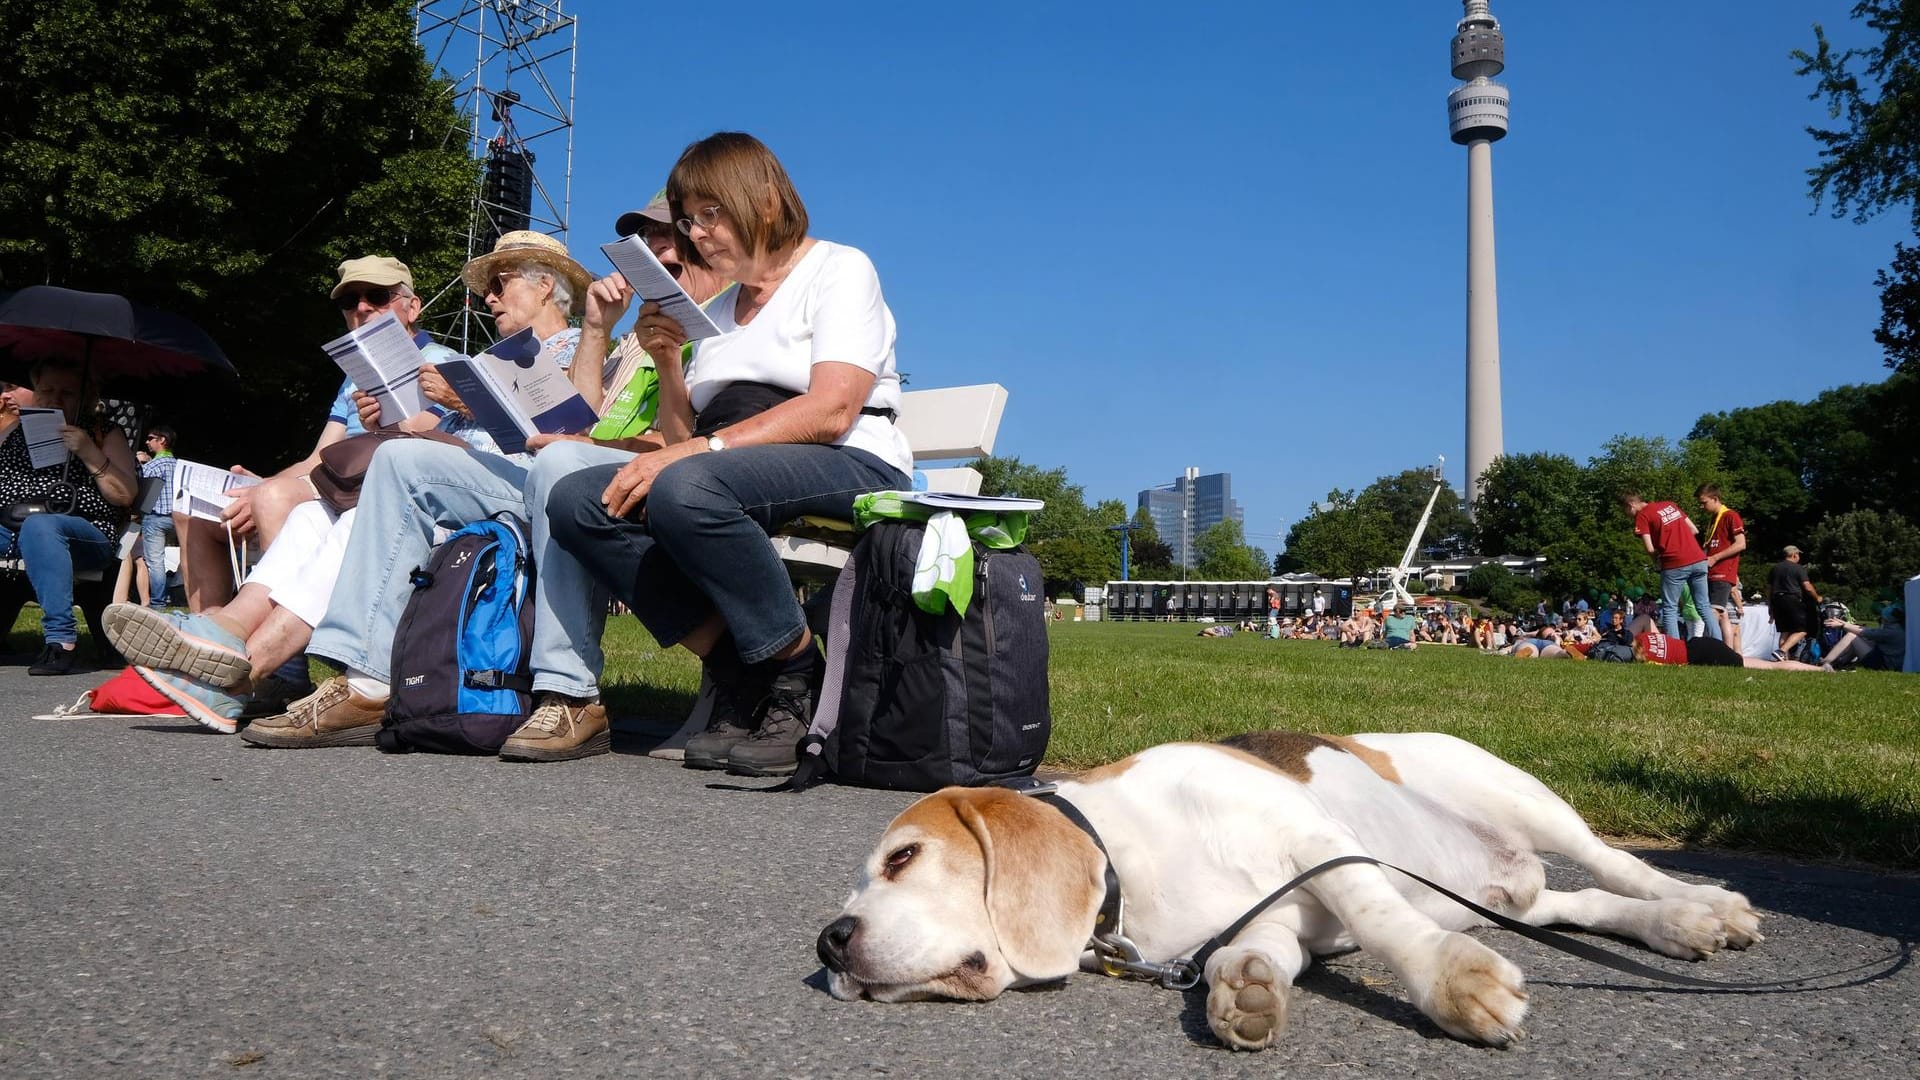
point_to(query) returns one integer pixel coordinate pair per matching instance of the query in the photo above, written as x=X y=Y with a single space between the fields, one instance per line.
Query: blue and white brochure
x=516 y=393
x=653 y=284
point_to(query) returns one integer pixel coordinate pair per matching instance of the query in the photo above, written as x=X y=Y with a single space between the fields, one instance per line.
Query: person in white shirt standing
x=680 y=535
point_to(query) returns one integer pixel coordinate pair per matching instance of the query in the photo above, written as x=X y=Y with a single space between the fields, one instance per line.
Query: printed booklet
x=515 y=393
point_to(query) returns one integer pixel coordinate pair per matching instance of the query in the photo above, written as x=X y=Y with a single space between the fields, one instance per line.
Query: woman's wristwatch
x=715 y=443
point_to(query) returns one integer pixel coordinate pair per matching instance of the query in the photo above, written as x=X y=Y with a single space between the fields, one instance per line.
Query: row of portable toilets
x=1224 y=600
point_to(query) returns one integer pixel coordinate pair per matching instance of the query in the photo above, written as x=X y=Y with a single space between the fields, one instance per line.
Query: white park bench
x=944 y=425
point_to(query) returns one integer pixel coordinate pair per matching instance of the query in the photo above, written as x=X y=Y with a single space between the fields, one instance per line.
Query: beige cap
x=527 y=246
x=1791 y=550
x=373 y=270
x=655 y=210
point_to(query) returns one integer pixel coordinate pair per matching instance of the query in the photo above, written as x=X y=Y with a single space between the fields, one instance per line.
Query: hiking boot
x=727 y=725
x=560 y=729
x=272 y=695
x=774 y=747
x=53 y=660
x=193 y=645
x=211 y=705
x=332 y=715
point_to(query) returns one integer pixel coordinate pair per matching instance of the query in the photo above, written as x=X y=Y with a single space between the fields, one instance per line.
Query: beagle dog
x=975 y=890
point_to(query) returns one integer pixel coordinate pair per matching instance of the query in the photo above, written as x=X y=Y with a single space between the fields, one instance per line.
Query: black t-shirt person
x=1787 y=598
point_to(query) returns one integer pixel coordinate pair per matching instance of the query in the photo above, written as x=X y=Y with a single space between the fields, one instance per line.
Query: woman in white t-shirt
x=788 y=412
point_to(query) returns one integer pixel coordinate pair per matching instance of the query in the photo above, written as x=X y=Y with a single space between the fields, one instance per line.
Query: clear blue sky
x=1230 y=236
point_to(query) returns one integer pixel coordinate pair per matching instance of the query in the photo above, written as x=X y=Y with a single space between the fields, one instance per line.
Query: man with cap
x=247 y=654
x=1791 y=600
x=367 y=288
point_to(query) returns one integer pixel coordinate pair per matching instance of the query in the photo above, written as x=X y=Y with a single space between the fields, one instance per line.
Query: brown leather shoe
x=332 y=715
x=560 y=729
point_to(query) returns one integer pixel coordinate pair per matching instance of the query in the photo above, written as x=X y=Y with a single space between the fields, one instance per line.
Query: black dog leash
x=1119 y=956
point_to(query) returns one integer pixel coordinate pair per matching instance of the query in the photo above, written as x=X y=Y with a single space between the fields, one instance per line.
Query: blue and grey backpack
x=461 y=681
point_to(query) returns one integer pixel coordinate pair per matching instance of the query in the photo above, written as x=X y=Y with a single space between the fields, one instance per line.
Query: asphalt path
x=175 y=903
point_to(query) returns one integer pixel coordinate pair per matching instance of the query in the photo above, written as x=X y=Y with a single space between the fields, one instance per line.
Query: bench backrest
x=952 y=423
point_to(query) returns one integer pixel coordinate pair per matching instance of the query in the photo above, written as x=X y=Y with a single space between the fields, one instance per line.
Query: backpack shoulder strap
x=826 y=712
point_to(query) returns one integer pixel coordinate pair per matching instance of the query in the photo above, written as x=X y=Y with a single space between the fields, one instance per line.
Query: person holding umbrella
x=63 y=517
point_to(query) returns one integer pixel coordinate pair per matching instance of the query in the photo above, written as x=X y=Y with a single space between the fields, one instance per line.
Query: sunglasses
x=378 y=296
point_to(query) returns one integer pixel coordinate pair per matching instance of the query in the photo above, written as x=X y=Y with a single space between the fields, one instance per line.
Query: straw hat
x=526 y=246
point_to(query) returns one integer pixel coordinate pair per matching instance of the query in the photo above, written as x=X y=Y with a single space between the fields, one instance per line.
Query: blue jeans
x=54 y=546
x=1693 y=578
x=703 y=545
x=155 y=531
x=411 y=486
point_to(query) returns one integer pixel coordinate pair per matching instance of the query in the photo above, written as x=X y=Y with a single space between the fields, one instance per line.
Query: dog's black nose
x=832 y=945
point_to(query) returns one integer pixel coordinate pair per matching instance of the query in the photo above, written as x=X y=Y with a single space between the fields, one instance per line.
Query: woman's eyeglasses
x=706 y=219
x=378 y=296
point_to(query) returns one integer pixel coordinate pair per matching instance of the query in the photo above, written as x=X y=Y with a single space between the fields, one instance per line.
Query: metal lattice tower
x=512 y=68
x=1476 y=119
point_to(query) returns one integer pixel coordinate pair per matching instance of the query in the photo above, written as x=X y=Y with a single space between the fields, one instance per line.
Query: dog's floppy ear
x=1045 y=880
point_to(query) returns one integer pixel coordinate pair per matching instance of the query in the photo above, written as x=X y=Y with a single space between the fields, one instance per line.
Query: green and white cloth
x=943 y=572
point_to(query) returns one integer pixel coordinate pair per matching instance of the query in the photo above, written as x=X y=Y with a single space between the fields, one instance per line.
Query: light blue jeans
x=413 y=485
x=54 y=546
x=155 y=531
x=1693 y=578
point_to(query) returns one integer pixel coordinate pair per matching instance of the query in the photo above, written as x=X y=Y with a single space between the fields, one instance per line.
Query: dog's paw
x=1475 y=994
x=1685 y=929
x=1741 y=922
x=1247 y=1002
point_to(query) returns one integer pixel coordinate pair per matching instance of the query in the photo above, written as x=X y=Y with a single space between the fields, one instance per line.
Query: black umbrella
x=130 y=351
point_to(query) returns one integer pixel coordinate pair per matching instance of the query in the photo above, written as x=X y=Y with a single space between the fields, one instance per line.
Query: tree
x=1222 y=554
x=1873 y=162
x=1073 y=549
x=1865 y=555
x=1152 y=556
x=1527 y=502
x=219 y=160
x=1899 y=332
x=1342 y=539
x=1403 y=498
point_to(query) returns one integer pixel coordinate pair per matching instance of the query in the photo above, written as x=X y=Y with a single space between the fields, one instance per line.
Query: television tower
x=1477 y=118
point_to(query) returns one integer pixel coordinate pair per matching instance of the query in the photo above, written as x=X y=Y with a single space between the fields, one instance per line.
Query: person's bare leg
x=1787 y=643
x=272 y=502
x=281 y=636
x=125 y=578
x=701 y=640
x=205 y=564
x=245 y=614
x=1779 y=665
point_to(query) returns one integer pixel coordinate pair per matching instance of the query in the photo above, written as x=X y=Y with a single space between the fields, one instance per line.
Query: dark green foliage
x=1863 y=556
x=1873 y=162
x=1073 y=546
x=218 y=160
x=1403 y=497
x=1222 y=554
x=1527 y=502
x=1343 y=539
x=1899 y=331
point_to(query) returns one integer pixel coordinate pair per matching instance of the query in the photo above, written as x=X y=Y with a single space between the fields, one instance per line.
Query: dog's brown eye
x=900 y=858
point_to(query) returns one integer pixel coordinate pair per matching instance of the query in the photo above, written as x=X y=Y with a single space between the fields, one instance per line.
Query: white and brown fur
x=975 y=890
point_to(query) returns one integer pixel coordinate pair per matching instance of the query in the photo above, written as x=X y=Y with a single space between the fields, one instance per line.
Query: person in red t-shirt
x=1671 y=538
x=1726 y=539
x=1655 y=647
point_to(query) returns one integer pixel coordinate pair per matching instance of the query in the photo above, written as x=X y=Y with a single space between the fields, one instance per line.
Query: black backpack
x=917 y=702
x=461 y=675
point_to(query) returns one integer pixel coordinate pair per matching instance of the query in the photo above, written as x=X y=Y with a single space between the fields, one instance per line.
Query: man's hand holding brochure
x=515 y=392
x=653 y=284
x=381 y=360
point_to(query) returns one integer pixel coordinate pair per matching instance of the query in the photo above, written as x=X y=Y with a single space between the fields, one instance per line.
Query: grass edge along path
x=1825 y=766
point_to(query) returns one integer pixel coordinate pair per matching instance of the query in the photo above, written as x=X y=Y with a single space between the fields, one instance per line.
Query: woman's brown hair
x=738 y=172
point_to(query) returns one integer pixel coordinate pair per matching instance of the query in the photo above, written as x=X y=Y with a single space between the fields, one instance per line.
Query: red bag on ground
x=128 y=694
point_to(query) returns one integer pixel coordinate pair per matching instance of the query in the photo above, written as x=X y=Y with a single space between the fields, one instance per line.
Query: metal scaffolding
x=511 y=64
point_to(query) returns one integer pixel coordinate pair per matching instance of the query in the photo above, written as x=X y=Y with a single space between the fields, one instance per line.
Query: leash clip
x=1121 y=958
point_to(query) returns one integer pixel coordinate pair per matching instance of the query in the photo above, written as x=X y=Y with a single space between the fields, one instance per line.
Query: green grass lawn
x=1821 y=765
x=1805 y=764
